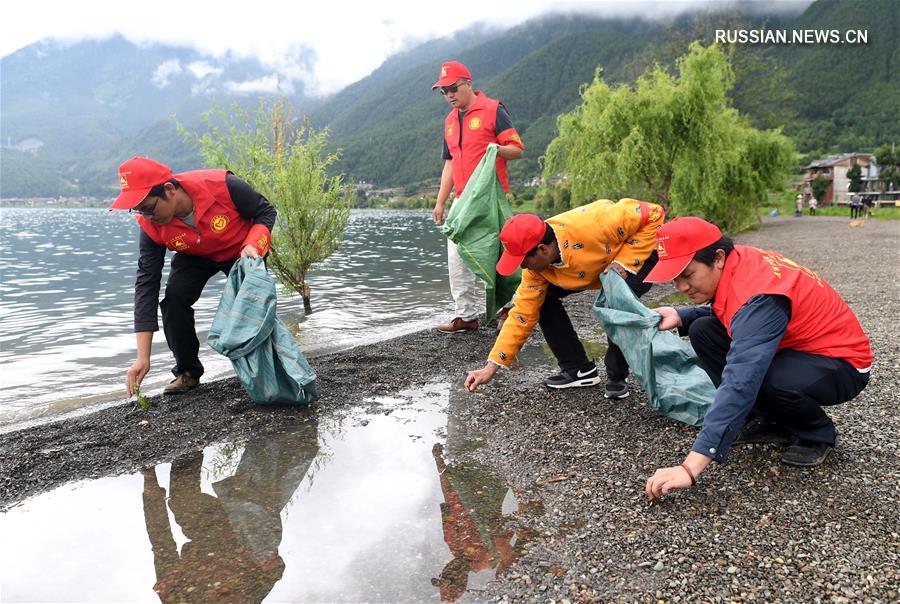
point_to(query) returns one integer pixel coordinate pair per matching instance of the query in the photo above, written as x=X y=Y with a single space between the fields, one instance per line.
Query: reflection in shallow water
x=474 y=512
x=234 y=535
x=389 y=504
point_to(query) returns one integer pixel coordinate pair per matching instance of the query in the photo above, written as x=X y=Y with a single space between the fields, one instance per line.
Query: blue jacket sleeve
x=689 y=314
x=756 y=331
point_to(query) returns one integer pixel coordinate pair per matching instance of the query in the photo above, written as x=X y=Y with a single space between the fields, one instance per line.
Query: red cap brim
x=128 y=199
x=509 y=263
x=668 y=269
x=445 y=81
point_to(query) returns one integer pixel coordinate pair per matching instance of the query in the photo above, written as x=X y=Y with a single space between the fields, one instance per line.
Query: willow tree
x=674 y=140
x=287 y=162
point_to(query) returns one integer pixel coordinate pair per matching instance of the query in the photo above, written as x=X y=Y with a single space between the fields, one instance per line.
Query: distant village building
x=834 y=168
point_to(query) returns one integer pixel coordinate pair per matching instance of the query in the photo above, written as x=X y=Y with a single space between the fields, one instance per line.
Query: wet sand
x=752 y=529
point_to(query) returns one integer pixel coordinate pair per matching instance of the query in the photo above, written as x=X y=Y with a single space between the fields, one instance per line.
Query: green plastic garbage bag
x=474 y=224
x=665 y=365
x=245 y=329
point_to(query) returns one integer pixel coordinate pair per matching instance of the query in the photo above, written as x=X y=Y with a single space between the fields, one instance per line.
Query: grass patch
x=786 y=204
x=673 y=299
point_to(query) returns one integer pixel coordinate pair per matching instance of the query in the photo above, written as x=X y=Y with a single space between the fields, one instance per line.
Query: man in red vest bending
x=209 y=218
x=777 y=341
x=474 y=122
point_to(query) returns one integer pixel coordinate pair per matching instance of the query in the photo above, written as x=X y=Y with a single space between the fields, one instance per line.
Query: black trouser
x=796 y=387
x=187 y=278
x=561 y=336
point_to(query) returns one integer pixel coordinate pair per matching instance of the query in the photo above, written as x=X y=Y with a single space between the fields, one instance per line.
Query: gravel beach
x=751 y=530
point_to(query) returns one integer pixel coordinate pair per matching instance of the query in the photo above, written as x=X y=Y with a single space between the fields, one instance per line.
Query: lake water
x=66 y=302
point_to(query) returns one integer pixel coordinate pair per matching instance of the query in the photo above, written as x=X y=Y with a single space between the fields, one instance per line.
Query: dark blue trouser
x=187 y=278
x=796 y=387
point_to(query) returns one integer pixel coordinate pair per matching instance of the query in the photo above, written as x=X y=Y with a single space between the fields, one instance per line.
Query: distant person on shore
x=855 y=206
x=474 y=122
x=564 y=255
x=813 y=204
x=777 y=341
x=868 y=201
x=799 y=211
x=209 y=218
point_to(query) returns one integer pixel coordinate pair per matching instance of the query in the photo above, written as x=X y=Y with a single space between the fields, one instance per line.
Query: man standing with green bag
x=474 y=122
x=473 y=225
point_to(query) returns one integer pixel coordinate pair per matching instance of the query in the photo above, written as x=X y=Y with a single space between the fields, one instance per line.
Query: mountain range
x=69 y=114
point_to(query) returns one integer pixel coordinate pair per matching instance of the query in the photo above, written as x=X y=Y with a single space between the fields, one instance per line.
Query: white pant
x=464 y=286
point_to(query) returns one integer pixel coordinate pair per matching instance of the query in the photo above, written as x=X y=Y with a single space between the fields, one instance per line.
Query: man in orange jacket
x=474 y=122
x=566 y=254
x=209 y=218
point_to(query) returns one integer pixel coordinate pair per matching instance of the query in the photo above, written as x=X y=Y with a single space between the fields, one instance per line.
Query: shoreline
x=115 y=399
x=751 y=529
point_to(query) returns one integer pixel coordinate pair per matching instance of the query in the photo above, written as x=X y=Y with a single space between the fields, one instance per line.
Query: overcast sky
x=348 y=39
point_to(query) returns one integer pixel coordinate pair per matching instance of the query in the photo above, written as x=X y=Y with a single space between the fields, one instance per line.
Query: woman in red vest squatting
x=777 y=341
x=209 y=218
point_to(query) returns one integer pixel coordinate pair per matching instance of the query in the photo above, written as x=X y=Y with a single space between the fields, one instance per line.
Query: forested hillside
x=92 y=104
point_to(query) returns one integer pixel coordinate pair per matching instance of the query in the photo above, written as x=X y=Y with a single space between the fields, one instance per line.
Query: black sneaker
x=760 y=431
x=616 y=389
x=574 y=378
x=806 y=454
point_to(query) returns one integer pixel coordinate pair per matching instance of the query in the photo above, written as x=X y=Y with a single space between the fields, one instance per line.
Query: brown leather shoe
x=457 y=325
x=183 y=382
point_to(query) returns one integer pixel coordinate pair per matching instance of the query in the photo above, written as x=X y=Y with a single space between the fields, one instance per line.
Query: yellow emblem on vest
x=475 y=123
x=219 y=223
x=450 y=130
x=177 y=243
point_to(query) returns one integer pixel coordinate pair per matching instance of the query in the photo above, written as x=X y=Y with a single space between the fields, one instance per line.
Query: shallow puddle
x=383 y=505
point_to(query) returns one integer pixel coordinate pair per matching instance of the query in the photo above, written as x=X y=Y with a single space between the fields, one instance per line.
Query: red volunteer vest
x=478 y=126
x=220 y=233
x=821 y=322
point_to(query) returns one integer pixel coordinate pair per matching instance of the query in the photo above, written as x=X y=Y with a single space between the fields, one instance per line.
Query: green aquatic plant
x=142 y=400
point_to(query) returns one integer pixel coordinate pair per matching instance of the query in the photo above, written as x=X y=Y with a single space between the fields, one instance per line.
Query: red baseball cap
x=451 y=73
x=136 y=177
x=676 y=244
x=521 y=234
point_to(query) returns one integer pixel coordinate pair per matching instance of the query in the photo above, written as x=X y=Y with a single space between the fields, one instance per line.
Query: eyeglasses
x=445 y=90
x=145 y=211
